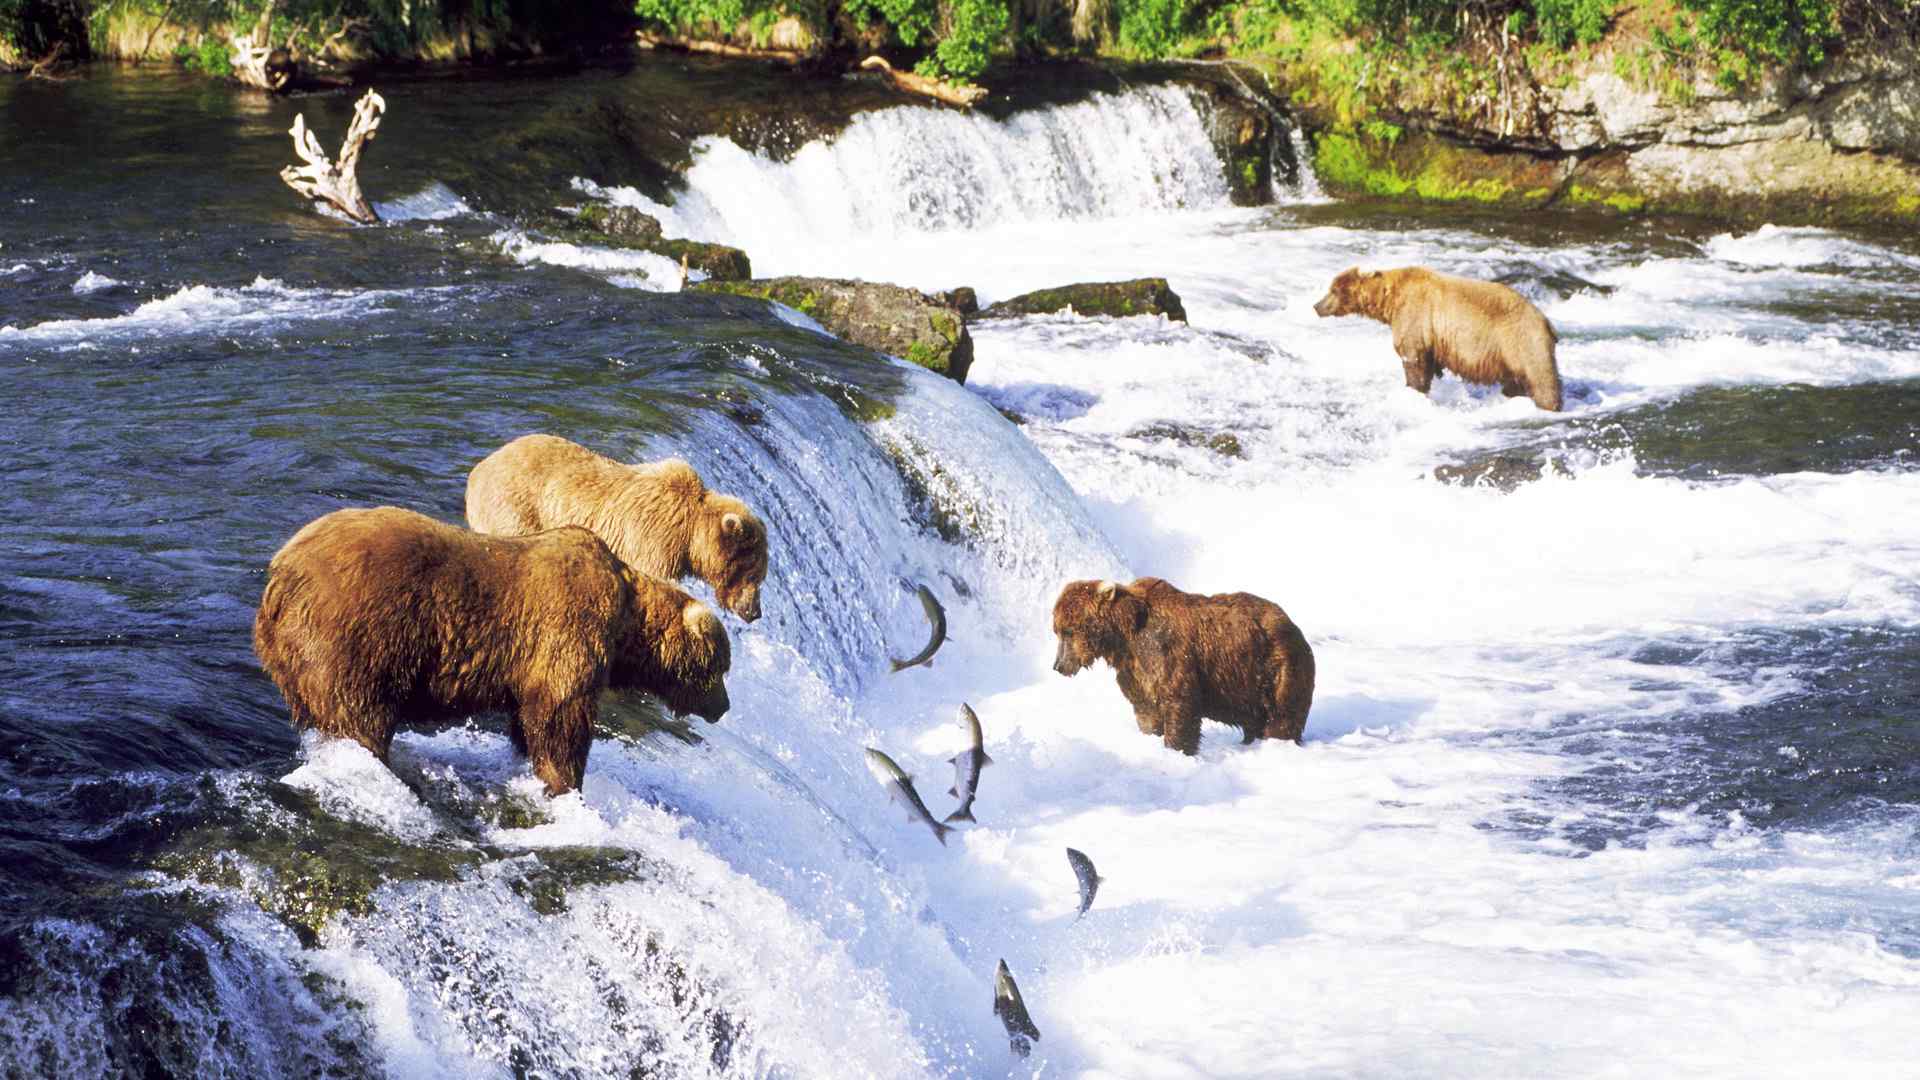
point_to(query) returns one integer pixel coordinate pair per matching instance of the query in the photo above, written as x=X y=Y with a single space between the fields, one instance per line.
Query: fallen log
x=910 y=82
x=322 y=180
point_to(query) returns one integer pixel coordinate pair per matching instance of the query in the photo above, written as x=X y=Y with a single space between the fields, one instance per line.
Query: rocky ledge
x=1837 y=145
x=1141 y=296
x=927 y=330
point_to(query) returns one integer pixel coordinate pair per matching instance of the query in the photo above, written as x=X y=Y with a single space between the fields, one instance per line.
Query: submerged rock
x=927 y=330
x=1501 y=472
x=1141 y=296
x=1224 y=443
x=625 y=226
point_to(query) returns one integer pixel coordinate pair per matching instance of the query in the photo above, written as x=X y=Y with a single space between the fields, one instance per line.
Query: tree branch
x=337 y=185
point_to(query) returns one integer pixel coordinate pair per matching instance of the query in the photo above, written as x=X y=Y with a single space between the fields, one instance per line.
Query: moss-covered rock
x=718 y=261
x=624 y=223
x=1141 y=296
x=907 y=323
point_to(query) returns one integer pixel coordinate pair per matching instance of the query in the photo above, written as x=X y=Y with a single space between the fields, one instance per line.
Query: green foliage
x=911 y=20
x=208 y=56
x=1565 y=22
x=1153 y=28
x=974 y=27
x=1791 y=32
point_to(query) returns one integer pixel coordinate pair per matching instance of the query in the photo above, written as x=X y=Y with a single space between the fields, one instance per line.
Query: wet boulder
x=624 y=223
x=1142 y=296
x=625 y=226
x=927 y=330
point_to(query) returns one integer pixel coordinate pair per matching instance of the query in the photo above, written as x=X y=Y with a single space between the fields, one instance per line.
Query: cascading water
x=1609 y=765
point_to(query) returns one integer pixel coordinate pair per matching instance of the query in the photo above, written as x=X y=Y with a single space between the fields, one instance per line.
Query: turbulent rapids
x=1611 y=760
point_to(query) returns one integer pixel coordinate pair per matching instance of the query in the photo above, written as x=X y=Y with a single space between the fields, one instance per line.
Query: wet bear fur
x=658 y=518
x=1180 y=657
x=376 y=618
x=1481 y=331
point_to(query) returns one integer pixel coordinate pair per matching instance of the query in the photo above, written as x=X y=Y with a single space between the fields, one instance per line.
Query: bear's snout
x=1063 y=660
x=1326 y=306
x=716 y=705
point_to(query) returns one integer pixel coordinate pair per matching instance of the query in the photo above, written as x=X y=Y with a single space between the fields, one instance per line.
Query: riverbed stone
x=902 y=322
x=1141 y=296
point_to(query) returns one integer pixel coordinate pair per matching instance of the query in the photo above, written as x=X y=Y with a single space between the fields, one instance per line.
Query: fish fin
x=962 y=815
x=953 y=792
x=984 y=759
x=940 y=833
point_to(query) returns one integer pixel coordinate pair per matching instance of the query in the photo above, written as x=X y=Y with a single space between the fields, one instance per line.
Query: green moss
x=947 y=326
x=1343 y=161
x=926 y=356
x=1907 y=204
x=1620 y=202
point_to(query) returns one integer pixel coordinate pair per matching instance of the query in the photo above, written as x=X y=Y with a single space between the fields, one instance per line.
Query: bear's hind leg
x=1183 y=731
x=1150 y=722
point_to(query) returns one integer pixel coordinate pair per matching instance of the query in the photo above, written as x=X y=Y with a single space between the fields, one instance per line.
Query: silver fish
x=1084 y=873
x=900 y=786
x=1021 y=1034
x=937 y=619
x=966 y=767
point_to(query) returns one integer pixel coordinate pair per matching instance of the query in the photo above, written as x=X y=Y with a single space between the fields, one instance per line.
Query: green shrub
x=1791 y=32
x=1152 y=28
x=973 y=28
x=1566 y=22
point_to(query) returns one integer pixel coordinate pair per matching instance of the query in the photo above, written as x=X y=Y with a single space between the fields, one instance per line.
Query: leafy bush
x=973 y=28
x=1152 y=28
x=912 y=20
x=1792 y=32
x=1564 y=22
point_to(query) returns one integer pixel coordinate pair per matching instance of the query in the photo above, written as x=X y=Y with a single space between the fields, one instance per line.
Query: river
x=1613 y=766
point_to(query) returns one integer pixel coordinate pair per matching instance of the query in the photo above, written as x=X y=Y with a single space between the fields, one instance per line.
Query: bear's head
x=729 y=551
x=1095 y=620
x=1348 y=295
x=674 y=648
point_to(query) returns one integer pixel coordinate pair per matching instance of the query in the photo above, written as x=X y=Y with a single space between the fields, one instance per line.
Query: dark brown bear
x=1481 y=331
x=376 y=618
x=1180 y=657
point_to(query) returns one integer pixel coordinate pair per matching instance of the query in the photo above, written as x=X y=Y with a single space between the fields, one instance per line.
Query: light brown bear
x=658 y=518
x=1180 y=657
x=376 y=618
x=1481 y=331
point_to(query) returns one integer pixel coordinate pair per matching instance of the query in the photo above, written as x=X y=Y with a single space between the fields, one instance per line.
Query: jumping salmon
x=966 y=767
x=1021 y=1034
x=937 y=619
x=1084 y=873
x=900 y=786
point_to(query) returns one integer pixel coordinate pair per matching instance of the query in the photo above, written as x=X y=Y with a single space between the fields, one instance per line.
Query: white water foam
x=91 y=282
x=435 y=202
x=1775 y=245
x=625 y=268
x=262 y=307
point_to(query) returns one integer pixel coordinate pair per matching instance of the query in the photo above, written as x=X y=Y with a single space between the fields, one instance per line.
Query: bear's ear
x=732 y=525
x=709 y=638
x=1108 y=588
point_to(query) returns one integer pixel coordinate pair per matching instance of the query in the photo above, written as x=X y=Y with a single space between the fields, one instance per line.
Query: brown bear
x=1179 y=657
x=658 y=518
x=1481 y=331
x=376 y=618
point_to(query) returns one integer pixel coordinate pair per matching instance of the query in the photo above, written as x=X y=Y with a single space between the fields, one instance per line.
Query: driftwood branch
x=47 y=66
x=336 y=184
x=963 y=96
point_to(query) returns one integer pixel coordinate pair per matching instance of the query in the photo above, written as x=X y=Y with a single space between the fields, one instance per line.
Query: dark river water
x=1615 y=755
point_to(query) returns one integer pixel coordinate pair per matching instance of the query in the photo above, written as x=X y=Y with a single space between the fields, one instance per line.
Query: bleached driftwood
x=256 y=62
x=963 y=96
x=336 y=184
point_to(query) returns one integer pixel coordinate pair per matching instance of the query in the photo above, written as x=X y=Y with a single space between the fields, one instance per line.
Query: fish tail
x=963 y=814
x=940 y=833
x=899 y=665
